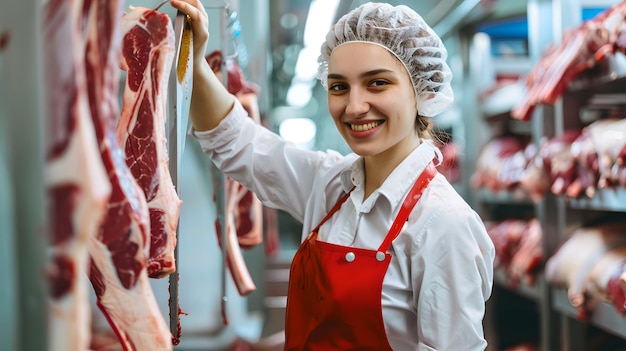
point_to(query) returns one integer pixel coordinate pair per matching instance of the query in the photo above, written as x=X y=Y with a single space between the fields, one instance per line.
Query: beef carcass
x=147 y=56
x=244 y=212
x=77 y=185
x=580 y=49
x=236 y=82
x=570 y=266
x=506 y=236
x=519 y=249
x=450 y=166
x=119 y=251
x=529 y=254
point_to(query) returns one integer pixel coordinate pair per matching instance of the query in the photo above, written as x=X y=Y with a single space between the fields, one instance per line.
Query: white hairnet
x=407 y=36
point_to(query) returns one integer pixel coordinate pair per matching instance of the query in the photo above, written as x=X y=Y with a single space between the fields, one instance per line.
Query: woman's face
x=371 y=100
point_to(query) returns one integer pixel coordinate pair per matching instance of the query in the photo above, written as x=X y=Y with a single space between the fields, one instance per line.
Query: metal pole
x=219 y=180
x=20 y=54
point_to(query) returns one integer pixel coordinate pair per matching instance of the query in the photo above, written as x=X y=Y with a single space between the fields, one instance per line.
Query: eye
x=378 y=83
x=337 y=87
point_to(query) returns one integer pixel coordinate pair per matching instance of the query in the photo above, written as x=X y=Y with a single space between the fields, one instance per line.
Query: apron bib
x=335 y=292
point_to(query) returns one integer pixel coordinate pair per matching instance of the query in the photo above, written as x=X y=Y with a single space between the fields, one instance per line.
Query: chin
x=364 y=151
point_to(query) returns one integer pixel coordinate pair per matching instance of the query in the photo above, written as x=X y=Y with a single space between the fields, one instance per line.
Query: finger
x=193 y=8
x=196 y=14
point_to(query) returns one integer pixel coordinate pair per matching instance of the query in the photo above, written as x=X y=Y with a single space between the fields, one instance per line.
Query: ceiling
x=288 y=19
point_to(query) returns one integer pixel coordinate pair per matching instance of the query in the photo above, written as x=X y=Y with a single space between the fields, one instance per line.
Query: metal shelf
x=513 y=197
x=531 y=292
x=604 y=200
x=603 y=315
x=612 y=69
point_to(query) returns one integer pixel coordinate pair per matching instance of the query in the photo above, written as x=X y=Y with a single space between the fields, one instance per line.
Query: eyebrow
x=363 y=75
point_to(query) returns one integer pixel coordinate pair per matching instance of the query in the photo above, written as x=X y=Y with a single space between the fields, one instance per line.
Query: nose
x=357 y=103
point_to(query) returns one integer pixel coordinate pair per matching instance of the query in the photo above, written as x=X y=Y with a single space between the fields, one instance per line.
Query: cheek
x=334 y=108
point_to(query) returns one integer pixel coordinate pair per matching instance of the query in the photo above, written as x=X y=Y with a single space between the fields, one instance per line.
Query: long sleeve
x=282 y=175
x=456 y=257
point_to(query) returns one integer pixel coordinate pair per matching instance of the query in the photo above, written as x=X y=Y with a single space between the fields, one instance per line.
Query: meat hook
x=160 y=4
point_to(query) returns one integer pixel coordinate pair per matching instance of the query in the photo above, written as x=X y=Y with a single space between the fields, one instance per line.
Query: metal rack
x=559 y=326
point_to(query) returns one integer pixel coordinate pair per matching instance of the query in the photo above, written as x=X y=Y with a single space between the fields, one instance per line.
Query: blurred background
x=535 y=142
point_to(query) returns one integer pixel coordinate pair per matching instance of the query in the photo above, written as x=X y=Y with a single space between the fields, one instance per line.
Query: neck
x=378 y=167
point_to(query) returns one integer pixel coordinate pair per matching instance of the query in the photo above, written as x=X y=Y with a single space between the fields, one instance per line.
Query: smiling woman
x=409 y=261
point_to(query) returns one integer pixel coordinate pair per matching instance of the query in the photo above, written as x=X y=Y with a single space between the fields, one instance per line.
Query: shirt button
x=350 y=256
x=380 y=256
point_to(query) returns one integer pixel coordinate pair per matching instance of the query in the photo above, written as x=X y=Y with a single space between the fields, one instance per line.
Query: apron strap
x=407 y=206
x=333 y=210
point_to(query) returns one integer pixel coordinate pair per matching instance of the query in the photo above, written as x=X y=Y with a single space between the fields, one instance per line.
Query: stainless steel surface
x=179 y=98
x=23 y=125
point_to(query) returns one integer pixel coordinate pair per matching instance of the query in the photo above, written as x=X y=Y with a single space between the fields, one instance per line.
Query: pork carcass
x=587 y=167
x=620 y=167
x=534 y=178
x=569 y=267
x=119 y=251
x=77 y=184
x=556 y=155
x=609 y=138
x=605 y=281
x=597 y=154
x=491 y=160
x=147 y=56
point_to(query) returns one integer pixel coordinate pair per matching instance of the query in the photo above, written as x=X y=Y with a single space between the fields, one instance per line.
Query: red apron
x=335 y=292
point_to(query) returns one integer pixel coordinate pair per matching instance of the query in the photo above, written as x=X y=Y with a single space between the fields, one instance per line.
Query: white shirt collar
x=397 y=183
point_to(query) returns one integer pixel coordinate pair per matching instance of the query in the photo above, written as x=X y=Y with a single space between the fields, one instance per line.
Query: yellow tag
x=185 y=51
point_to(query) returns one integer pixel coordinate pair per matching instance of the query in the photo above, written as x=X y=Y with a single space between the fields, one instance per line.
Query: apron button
x=350 y=256
x=380 y=256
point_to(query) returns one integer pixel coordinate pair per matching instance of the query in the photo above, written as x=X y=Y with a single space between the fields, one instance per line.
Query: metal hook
x=160 y=4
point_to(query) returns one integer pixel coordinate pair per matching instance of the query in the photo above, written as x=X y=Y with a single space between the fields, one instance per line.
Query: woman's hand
x=210 y=101
x=199 y=25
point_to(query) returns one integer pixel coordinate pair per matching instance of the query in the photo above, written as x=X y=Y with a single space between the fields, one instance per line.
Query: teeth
x=363 y=127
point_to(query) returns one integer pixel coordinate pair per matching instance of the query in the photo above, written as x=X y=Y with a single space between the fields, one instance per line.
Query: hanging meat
x=606 y=281
x=244 y=212
x=597 y=154
x=78 y=188
x=609 y=138
x=556 y=155
x=581 y=49
x=519 y=249
x=120 y=250
x=572 y=264
x=500 y=163
x=147 y=56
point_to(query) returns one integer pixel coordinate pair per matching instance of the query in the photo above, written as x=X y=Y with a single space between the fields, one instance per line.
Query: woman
x=392 y=257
